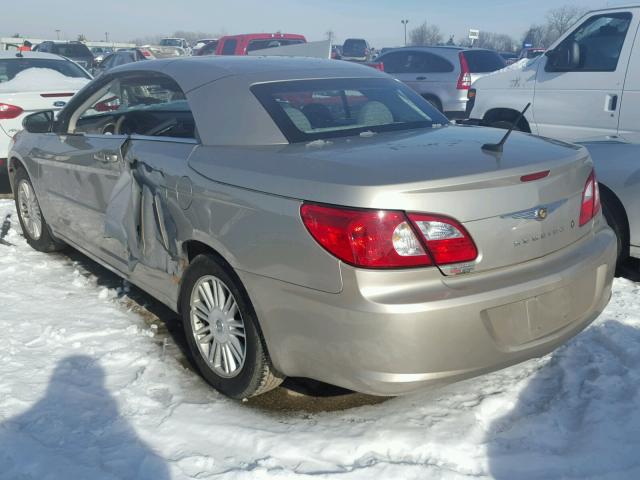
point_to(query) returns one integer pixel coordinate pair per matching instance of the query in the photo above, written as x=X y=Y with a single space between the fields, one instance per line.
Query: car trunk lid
x=511 y=217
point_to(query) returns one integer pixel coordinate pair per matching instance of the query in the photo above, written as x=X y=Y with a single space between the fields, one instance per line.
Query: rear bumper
x=390 y=333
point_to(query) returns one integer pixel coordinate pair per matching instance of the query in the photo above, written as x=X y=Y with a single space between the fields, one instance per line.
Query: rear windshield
x=229 y=47
x=483 y=61
x=354 y=48
x=308 y=110
x=170 y=42
x=271 y=43
x=72 y=50
x=9 y=68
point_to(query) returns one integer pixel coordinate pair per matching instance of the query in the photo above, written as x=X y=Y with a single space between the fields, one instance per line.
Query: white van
x=587 y=85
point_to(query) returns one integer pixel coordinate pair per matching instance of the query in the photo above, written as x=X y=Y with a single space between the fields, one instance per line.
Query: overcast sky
x=376 y=20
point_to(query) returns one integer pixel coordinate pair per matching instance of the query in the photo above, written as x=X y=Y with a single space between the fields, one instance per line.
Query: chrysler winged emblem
x=539 y=213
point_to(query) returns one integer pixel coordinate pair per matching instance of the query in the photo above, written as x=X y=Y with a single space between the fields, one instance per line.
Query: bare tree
x=536 y=36
x=496 y=41
x=425 y=34
x=560 y=19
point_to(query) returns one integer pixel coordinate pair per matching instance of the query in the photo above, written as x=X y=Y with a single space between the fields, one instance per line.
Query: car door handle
x=421 y=78
x=106 y=157
x=612 y=103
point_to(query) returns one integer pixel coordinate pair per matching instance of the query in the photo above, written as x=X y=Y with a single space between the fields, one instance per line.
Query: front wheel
x=222 y=331
x=34 y=226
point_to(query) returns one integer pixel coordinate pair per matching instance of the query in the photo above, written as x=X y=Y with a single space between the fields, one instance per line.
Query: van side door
x=581 y=99
x=630 y=106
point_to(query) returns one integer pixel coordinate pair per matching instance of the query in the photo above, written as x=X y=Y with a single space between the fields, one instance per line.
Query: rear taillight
x=146 y=53
x=365 y=238
x=590 y=200
x=377 y=66
x=446 y=240
x=388 y=239
x=7 y=112
x=464 y=80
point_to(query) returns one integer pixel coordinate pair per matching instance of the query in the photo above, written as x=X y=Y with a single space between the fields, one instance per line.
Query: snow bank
x=89 y=388
x=41 y=80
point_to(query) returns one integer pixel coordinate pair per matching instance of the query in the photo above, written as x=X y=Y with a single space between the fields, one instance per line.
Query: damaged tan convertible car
x=319 y=219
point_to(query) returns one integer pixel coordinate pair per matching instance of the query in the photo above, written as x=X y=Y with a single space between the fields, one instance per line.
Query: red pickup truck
x=242 y=44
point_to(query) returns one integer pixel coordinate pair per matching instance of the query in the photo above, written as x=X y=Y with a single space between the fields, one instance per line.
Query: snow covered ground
x=90 y=389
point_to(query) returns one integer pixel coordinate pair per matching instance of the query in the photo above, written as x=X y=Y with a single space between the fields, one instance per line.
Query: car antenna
x=499 y=147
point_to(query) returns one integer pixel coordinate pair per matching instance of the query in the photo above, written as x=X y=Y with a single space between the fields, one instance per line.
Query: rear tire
x=34 y=227
x=222 y=332
x=435 y=103
x=615 y=219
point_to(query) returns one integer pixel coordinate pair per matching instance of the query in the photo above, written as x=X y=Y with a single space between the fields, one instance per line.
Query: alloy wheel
x=29 y=210
x=217 y=326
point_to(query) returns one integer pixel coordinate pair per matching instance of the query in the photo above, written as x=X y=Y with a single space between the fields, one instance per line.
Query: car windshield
x=9 y=68
x=308 y=110
x=72 y=50
x=271 y=43
x=483 y=61
x=170 y=42
x=354 y=48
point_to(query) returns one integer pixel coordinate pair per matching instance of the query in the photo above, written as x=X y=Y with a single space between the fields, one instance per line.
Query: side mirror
x=564 y=58
x=39 y=122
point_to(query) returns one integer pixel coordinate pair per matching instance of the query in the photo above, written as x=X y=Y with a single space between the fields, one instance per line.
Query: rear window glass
x=483 y=61
x=271 y=43
x=229 y=47
x=9 y=68
x=307 y=110
x=170 y=42
x=354 y=48
x=72 y=50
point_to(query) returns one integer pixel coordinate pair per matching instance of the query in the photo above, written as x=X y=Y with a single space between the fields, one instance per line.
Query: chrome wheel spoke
x=29 y=210
x=218 y=327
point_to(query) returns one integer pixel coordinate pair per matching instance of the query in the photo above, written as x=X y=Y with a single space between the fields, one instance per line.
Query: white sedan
x=32 y=81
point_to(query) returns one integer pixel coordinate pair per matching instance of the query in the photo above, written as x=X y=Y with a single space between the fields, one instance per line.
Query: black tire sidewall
x=613 y=223
x=248 y=380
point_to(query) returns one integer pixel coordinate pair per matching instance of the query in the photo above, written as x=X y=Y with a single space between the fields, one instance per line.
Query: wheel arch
x=192 y=249
x=609 y=197
x=430 y=96
x=505 y=114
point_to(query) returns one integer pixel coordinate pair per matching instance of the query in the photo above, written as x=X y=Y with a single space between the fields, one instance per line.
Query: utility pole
x=106 y=37
x=58 y=34
x=404 y=22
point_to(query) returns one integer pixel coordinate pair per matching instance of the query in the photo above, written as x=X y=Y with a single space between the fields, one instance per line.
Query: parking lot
x=271 y=255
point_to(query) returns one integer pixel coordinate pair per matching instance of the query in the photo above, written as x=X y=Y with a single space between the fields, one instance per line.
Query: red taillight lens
x=446 y=240
x=590 y=200
x=388 y=239
x=365 y=238
x=464 y=80
x=146 y=53
x=7 y=112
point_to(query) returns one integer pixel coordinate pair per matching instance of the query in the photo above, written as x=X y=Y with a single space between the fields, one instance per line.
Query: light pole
x=106 y=37
x=58 y=34
x=404 y=22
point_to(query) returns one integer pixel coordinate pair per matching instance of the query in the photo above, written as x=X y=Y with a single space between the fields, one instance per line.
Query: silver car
x=442 y=75
x=315 y=218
